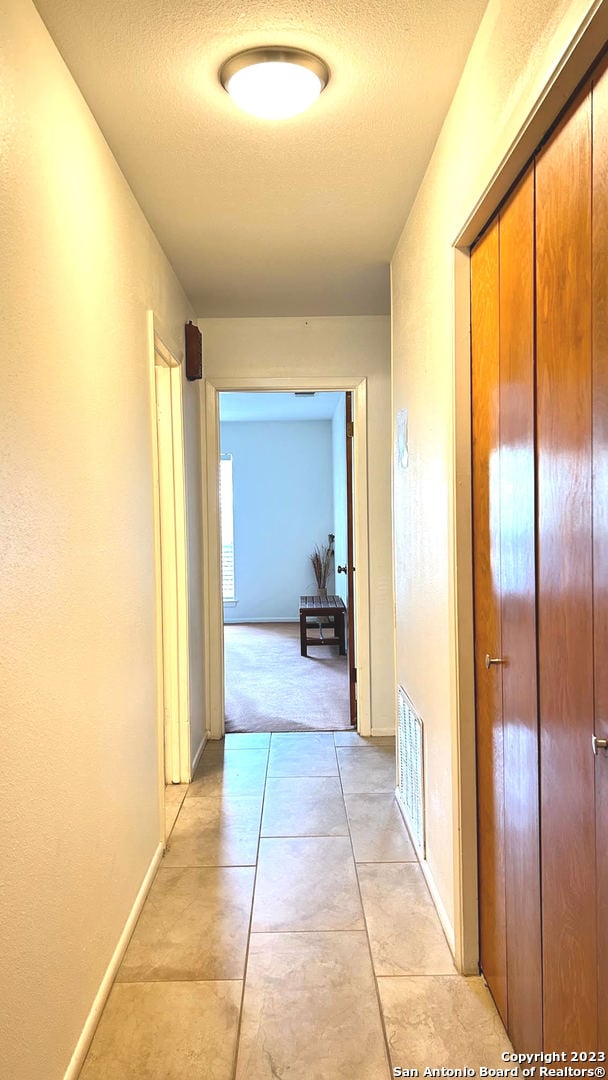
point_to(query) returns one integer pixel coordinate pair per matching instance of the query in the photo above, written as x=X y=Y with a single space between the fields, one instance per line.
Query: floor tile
x=304 y=806
x=405 y=934
x=377 y=829
x=310 y=1006
x=435 y=1021
x=216 y=832
x=306 y=883
x=237 y=772
x=194 y=925
x=310 y=1010
x=367 y=771
x=254 y=740
x=174 y=797
x=353 y=739
x=302 y=754
x=166 y=1031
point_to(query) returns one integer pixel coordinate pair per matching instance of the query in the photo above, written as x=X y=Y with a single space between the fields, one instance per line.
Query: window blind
x=227 y=526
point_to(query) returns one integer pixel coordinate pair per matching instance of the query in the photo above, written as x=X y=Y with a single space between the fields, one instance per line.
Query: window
x=227 y=526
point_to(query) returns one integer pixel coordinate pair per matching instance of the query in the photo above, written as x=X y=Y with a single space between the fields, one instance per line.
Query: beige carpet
x=270 y=687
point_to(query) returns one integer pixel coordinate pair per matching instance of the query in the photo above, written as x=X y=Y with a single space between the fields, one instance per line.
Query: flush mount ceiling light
x=274 y=82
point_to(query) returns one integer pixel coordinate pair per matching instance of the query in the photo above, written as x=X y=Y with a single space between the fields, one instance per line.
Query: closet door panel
x=565 y=601
x=488 y=681
x=600 y=524
x=518 y=617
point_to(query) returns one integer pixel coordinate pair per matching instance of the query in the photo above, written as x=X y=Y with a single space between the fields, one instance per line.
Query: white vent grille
x=410 y=768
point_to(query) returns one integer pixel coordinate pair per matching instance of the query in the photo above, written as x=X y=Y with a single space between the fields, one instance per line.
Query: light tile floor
x=289 y=932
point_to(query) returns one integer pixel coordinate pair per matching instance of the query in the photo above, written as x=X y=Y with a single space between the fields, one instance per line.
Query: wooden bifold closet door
x=540 y=537
x=505 y=614
x=488 y=681
x=565 y=582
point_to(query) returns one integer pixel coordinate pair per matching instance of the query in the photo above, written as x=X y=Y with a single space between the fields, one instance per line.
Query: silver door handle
x=493 y=660
x=598 y=744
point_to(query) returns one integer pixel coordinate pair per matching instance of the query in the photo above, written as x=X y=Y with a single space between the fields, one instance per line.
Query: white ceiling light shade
x=274 y=82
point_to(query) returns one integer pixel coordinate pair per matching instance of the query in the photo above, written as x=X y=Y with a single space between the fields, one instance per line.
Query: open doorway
x=284 y=494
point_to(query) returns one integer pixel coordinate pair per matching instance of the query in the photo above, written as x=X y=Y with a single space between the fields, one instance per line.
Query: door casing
x=214 y=619
x=172 y=648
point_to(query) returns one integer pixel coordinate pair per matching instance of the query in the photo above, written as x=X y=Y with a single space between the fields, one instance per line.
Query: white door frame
x=170 y=552
x=214 y=609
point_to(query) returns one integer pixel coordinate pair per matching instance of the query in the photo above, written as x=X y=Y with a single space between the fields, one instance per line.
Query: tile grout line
x=208 y=866
x=305 y=836
x=316 y=930
x=170 y=982
x=249 y=866
x=249 y=930
x=367 y=937
x=179 y=810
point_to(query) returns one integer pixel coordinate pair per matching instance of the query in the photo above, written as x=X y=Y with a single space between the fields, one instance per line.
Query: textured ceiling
x=294 y=217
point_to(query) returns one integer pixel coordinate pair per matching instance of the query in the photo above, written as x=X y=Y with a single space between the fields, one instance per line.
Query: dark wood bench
x=321 y=608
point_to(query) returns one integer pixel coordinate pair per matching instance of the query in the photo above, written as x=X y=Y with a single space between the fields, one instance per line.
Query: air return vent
x=410 y=769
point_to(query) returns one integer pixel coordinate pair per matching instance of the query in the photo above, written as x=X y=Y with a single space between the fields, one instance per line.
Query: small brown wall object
x=194 y=352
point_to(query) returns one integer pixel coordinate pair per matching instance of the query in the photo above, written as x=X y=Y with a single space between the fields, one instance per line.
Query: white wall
x=338 y=442
x=283 y=506
x=341 y=346
x=194 y=526
x=516 y=50
x=79 y=785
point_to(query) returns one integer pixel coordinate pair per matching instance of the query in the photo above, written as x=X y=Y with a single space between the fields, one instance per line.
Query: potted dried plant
x=321 y=563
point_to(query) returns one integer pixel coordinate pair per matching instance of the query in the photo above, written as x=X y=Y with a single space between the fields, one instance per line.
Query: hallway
x=291 y=922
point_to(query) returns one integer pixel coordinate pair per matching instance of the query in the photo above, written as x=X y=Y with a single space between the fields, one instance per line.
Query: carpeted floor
x=270 y=687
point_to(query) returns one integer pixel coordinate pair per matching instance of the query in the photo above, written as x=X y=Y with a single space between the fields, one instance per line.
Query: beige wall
x=78 y=788
x=338 y=346
x=512 y=61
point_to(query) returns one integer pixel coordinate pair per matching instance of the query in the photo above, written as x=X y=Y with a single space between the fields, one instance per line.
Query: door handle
x=598 y=744
x=493 y=660
x=341 y=569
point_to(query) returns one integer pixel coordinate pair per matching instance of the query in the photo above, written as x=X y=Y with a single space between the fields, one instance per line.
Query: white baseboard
x=448 y=929
x=383 y=732
x=88 y=1031
x=199 y=752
